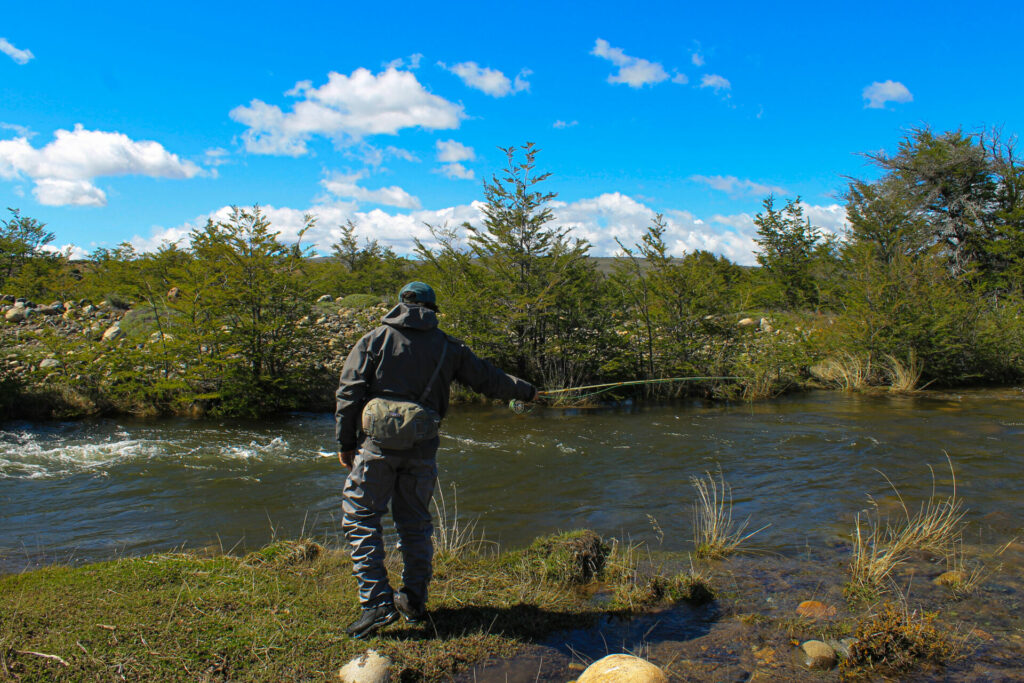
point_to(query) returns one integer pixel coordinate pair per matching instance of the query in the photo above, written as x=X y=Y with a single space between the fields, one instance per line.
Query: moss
x=895 y=640
x=285 y=554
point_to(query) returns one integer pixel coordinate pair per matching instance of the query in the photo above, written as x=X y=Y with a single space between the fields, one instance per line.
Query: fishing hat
x=421 y=292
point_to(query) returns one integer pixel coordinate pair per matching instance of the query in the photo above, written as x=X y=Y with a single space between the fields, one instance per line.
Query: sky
x=139 y=121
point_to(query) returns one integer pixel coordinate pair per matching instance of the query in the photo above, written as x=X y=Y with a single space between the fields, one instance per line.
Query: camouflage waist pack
x=396 y=424
x=399 y=425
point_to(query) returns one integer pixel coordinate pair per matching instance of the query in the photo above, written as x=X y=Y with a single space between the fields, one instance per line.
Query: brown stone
x=818 y=655
x=812 y=609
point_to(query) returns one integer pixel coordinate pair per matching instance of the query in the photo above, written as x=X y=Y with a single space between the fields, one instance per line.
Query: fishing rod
x=521 y=407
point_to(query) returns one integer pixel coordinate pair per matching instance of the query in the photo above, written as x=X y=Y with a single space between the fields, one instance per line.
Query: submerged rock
x=622 y=669
x=818 y=655
x=368 y=667
x=813 y=609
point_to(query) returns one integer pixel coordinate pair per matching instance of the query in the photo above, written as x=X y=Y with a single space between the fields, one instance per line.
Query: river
x=803 y=464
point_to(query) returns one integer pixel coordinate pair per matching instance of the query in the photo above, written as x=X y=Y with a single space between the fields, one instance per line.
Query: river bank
x=538 y=614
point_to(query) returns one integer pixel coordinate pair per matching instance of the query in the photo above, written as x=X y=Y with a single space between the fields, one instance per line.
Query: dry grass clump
x=904 y=377
x=569 y=558
x=282 y=554
x=880 y=546
x=454 y=537
x=896 y=639
x=715 y=533
x=847 y=371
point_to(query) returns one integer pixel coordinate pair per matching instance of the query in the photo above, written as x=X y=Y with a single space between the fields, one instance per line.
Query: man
x=407 y=359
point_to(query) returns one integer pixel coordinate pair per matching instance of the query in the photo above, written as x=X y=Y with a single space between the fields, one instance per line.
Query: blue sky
x=126 y=121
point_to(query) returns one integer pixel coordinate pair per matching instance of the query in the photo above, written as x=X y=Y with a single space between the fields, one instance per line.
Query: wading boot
x=371 y=620
x=414 y=612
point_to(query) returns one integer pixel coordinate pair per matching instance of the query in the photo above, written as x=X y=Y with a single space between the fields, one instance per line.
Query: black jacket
x=397 y=359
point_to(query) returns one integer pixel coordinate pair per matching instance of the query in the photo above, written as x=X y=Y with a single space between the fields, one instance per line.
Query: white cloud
x=564 y=124
x=346 y=186
x=697 y=59
x=20 y=131
x=216 y=156
x=375 y=156
x=830 y=218
x=487 y=80
x=450 y=150
x=345 y=109
x=458 y=171
x=64 y=169
x=716 y=82
x=19 y=56
x=735 y=186
x=877 y=94
x=412 y=61
x=633 y=71
x=680 y=78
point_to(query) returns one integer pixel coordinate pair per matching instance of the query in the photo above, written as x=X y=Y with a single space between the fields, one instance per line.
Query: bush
x=360 y=301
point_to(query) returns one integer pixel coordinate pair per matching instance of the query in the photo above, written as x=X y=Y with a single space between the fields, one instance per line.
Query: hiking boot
x=371 y=620
x=413 y=612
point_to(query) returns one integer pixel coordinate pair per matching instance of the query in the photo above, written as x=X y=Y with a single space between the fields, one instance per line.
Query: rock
x=746 y=322
x=767 y=329
x=49 y=363
x=325 y=299
x=818 y=655
x=51 y=310
x=16 y=315
x=113 y=333
x=841 y=647
x=950 y=578
x=622 y=669
x=812 y=609
x=7 y=298
x=368 y=667
x=69 y=305
x=173 y=293
x=89 y=308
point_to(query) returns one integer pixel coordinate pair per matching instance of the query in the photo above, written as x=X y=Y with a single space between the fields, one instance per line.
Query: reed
x=715 y=533
x=904 y=377
x=847 y=371
x=453 y=536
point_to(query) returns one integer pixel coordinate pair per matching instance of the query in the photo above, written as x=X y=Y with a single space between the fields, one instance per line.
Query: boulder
x=49 y=363
x=818 y=655
x=113 y=333
x=622 y=669
x=368 y=667
x=51 y=310
x=89 y=308
x=16 y=314
x=746 y=322
x=812 y=609
x=325 y=299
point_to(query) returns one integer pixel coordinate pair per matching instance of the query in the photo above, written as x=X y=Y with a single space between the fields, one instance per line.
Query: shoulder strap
x=437 y=371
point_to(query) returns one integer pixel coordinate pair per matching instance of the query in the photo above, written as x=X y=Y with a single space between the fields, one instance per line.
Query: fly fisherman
x=392 y=396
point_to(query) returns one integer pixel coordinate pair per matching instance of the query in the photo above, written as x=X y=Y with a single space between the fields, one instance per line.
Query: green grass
x=279 y=614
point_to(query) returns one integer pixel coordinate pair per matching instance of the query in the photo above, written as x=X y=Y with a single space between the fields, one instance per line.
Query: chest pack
x=395 y=424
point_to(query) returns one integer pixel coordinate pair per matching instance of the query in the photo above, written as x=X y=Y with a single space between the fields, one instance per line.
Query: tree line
x=929 y=278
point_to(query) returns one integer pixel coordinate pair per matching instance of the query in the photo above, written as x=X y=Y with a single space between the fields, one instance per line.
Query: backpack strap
x=437 y=371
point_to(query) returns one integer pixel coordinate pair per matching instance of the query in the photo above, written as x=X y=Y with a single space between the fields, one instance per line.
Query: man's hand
x=347 y=458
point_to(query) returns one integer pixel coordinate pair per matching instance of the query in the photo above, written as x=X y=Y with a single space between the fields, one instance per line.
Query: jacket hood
x=412 y=316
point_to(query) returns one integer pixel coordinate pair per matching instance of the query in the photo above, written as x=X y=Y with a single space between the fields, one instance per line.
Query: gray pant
x=408 y=484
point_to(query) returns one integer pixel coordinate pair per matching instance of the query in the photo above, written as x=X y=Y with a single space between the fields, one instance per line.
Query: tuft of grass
x=896 y=639
x=904 y=377
x=847 y=371
x=569 y=558
x=879 y=546
x=281 y=554
x=715 y=534
x=454 y=537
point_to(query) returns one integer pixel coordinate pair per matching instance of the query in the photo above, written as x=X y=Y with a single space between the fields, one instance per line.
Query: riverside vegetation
x=925 y=288
x=276 y=613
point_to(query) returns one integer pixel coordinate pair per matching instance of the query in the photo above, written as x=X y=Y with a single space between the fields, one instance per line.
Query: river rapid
x=803 y=464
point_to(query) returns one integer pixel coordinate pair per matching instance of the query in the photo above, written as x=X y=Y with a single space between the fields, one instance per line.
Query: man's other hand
x=347 y=458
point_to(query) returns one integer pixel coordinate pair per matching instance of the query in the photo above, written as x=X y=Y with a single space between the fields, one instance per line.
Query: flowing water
x=804 y=464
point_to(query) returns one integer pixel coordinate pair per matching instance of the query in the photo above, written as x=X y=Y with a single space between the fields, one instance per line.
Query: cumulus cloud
x=831 y=218
x=19 y=56
x=564 y=124
x=345 y=109
x=345 y=185
x=877 y=94
x=735 y=186
x=64 y=169
x=697 y=59
x=716 y=82
x=633 y=71
x=450 y=153
x=487 y=80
